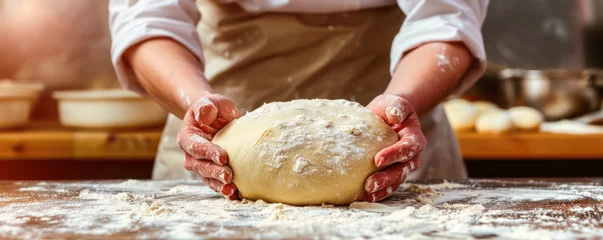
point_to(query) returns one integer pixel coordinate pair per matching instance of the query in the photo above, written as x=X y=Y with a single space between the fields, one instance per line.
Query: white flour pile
x=184 y=210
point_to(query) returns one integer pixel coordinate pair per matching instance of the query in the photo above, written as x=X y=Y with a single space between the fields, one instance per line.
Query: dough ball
x=455 y=101
x=484 y=107
x=526 y=118
x=461 y=114
x=305 y=152
x=496 y=122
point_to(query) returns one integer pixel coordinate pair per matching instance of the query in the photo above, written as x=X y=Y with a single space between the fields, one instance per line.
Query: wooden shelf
x=41 y=142
x=546 y=146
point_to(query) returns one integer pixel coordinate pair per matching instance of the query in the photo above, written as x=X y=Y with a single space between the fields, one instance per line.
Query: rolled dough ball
x=484 y=107
x=526 y=118
x=495 y=122
x=461 y=114
x=305 y=152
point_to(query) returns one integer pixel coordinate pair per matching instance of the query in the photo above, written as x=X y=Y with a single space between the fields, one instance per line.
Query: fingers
x=227 y=113
x=391 y=108
x=228 y=190
x=389 y=176
x=212 y=113
x=382 y=194
x=399 y=114
x=204 y=119
x=411 y=143
x=215 y=111
x=208 y=169
x=195 y=144
x=391 y=179
x=205 y=111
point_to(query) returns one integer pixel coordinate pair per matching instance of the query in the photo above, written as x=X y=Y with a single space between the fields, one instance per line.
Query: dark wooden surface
x=510 y=208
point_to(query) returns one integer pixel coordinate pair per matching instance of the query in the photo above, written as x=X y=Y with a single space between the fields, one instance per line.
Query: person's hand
x=401 y=158
x=202 y=121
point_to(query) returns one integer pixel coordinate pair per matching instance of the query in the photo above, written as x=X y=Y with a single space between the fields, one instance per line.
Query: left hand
x=401 y=158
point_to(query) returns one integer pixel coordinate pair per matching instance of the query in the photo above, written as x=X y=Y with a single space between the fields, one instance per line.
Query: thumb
x=205 y=111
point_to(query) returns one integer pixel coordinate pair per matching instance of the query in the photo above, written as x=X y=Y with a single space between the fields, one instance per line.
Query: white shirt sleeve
x=133 y=21
x=446 y=20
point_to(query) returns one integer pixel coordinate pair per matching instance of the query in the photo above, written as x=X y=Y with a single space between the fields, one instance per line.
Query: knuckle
x=209 y=183
x=180 y=139
x=189 y=163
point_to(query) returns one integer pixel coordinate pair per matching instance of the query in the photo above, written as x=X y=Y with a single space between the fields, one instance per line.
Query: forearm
x=427 y=74
x=169 y=73
x=11 y=56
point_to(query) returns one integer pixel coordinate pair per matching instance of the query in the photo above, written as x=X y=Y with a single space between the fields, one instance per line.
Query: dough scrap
x=461 y=114
x=305 y=152
x=484 y=107
x=526 y=118
x=495 y=122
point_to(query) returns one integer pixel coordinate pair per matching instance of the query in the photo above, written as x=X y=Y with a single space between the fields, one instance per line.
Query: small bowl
x=16 y=102
x=114 y=108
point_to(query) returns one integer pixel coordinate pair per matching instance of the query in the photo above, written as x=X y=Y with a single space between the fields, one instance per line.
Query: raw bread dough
x=496 y=122
x=305 y=152
x=526 y=118
x=461 y=114
x=484 y=107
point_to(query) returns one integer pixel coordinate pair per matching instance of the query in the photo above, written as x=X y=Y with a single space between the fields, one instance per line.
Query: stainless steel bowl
x=557 y=93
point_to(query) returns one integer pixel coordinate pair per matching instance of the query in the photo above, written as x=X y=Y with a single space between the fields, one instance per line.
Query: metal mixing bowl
x=557 y=93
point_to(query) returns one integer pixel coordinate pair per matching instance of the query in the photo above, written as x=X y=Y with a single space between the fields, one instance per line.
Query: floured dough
x=484 y=107
x=305 y=152
x=461 y=114
x=496 y=122
x=526 y=118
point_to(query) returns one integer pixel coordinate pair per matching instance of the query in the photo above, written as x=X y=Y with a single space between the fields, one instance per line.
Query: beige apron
x=258 y=58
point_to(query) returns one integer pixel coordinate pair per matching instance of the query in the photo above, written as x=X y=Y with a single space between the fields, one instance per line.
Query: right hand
x=202 y=121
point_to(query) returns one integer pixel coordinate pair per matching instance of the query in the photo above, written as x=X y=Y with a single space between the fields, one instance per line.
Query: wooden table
x=187 y=209
x=50 y=141
x=62 y=153
x=46 y=141
x=45 y=150
x=534 y=145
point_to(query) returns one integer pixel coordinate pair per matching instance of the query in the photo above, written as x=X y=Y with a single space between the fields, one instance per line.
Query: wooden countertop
x=535 y=145
x=50 y=141
x=188 y=209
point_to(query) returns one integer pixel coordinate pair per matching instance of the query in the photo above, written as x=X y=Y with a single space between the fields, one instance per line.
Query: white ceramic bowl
x=16 y=102
x=108 y=109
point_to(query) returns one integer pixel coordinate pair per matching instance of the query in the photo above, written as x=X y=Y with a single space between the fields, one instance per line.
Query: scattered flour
x=124 y=197
x=570 y=127
x=41 y=188
x=130 y=182
x=154 y=208
x=443 y=60
x=299 y=165
x=35 y=188
x=184 y=98
x=187 y=209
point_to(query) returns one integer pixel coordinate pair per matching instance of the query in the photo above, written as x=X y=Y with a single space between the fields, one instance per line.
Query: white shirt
x=133 y=21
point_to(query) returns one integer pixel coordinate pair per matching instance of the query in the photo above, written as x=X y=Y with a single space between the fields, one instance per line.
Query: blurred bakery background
x=64 y=116
x=535 y=113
